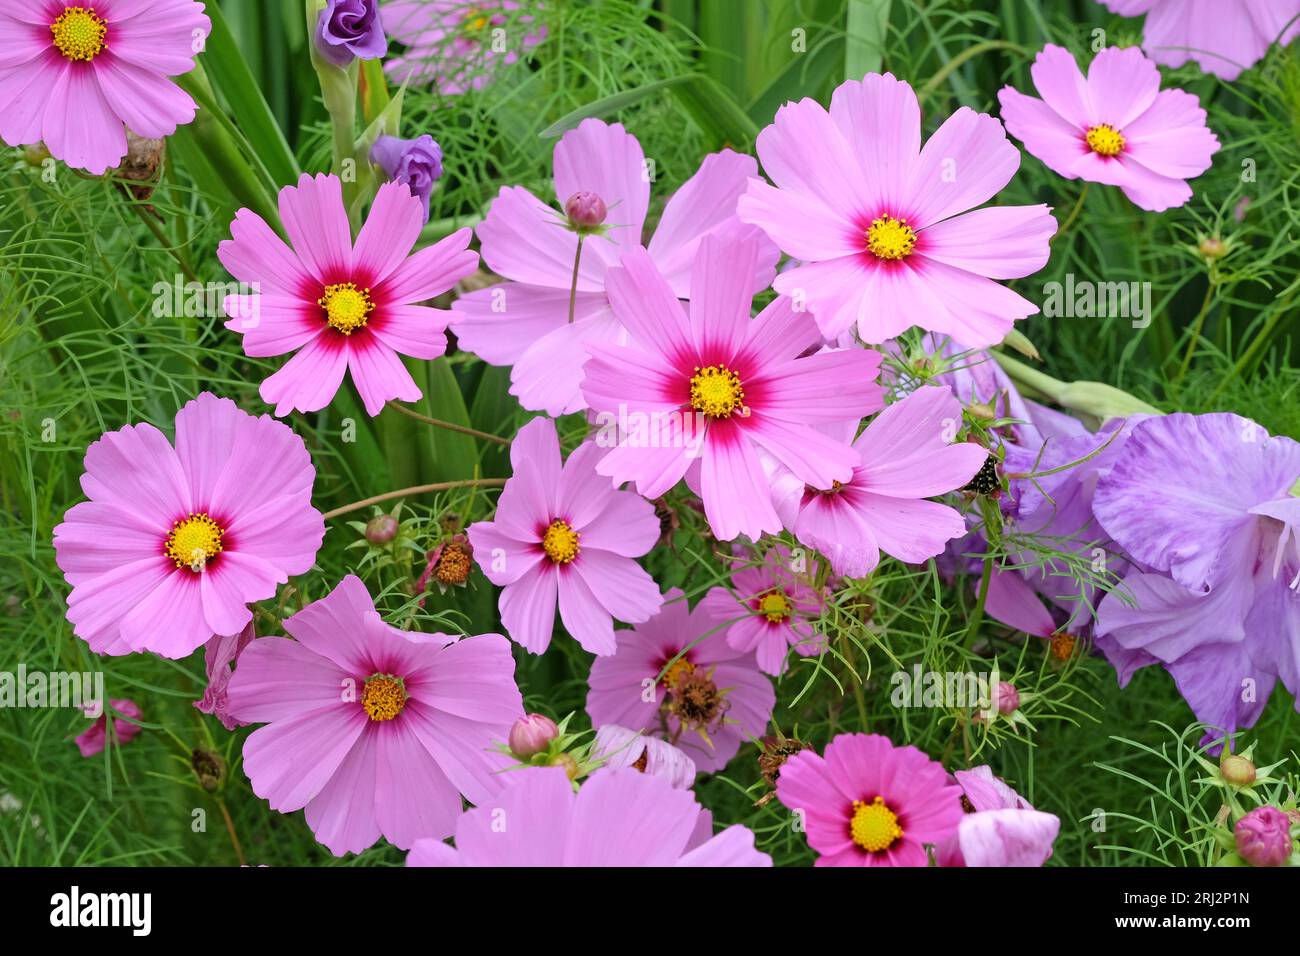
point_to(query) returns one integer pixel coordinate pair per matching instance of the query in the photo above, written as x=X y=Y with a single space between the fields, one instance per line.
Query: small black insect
x=986 y=480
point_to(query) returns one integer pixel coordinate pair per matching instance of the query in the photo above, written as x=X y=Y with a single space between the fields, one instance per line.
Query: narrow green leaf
x=867 y=28
x=609 y=104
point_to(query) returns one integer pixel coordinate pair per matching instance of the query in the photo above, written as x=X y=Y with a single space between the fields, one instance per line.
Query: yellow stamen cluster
x=874 y=826
x=383 y=697
x=453 y=565
x=79 y=34
x=346 y=307
x=677 y=672
x=1062 y=646
x=193 y=542
x=891 y=239
x=716 y=391
x=775 y=606
x=1105 y=140
x=474 y=21
x=560 y=542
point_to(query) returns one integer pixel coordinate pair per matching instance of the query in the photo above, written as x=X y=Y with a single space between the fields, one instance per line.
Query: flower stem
x=230 y=828
x=450 y=426
x=415 y=490
x=1197 y=325
x=573 y=285
x=1074 y=213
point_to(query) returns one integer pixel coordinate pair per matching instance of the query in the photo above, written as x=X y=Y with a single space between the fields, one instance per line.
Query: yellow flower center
x=194 y=542
x=474 y=21
x=1105 y=140
x=874 y=826
x=889 y=238
x=383 y=697
x=775 y=606
x=346 y=307
x=678 y=671
x=79 y=34
x=560 y=542
x=716 y=391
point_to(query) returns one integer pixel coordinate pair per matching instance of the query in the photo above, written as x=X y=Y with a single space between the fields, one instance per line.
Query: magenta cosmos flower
x=373 y=730
x=1223 y=37
x=175 y=542
x=1117 y=127
x=708 y=698
x=455 y=45
x=869 y=803
x=881 y=224
x=771 y=606
x=999 y=827
x=618 y=818
x=94 y=738
x=341 y=307
x=562 y=535
x=525 y=322
x=76 y=76
x=720 y=390
x=908 y=455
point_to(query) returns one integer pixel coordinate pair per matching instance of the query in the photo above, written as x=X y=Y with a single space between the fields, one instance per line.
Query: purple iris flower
x=350 y=29
x=416 y=162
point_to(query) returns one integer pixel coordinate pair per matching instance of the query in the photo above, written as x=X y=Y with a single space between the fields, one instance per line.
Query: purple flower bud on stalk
x=381 y=529
x=1264 y=837
x=530 y=735
x=350 y=29
x=1008 y=698
x=416 y=162
x=586 y=211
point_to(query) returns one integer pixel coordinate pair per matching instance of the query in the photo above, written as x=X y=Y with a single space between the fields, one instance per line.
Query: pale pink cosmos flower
x=375 y=731
x=676 y=677
x=617 y=746
x=869 y=803
x=908 y=455
x=1116 y=127
x=454 y=45
x=76 y=76
x=881 y=224
x=175 y=542
x=94 y=738
x=721 y=390
x=1223 y=37
x=771 y=607
x=562 y=535
x=525 y=321
x=618 y=818
x=999 y=827
x=341 y=307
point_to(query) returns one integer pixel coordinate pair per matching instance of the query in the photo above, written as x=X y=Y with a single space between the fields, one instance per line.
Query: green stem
x=1257 y=344
x=1074 y=213
x=573 y=284
x=450 y=426
x=414 y=490
x=969 y=53
x=1197 y=325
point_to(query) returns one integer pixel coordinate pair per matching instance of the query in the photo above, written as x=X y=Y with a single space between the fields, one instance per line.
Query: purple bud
x=349 y=30
x=416 y=162
x=530 y=735
x=585 y=210
x=1008 y=698
x=1264 y=837
x=381 y=529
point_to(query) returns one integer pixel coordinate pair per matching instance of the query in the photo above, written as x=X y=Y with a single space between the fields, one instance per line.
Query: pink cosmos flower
x=618 y=818
x=450 y=43
x=907 y=456
x=219 y=655
x=77 y=75
x=869 y=803
x=1117 y=127
x=341 y=307
x=94 y=738
x=1223 y=37
x=175 y=542
x=720 y=390
x=562 y=535
x=525 y=322
x=999 y=828
x=881 y=224
x=375 y=731
x=617 y=746
x=677 y=677
x=771 y=610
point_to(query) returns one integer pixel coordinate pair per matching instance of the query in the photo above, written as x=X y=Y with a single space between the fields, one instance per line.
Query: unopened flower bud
x=1212 y=247
x=1264 y=837
x=1008 y=698
x=569 y=764
x=1237 y=771
x=531 y=734
x=381 y=529
x=585 y=210
x=209 y=768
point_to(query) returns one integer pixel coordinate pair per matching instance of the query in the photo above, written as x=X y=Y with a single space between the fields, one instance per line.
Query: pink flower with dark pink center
x=374 y=731
x=1116 y=127
x=341 y=307
x=175 y=543
x=676 y=677
x=882 y=225
x=999 y=826
x=869 y=803
x=715 y=392
x=562 y=535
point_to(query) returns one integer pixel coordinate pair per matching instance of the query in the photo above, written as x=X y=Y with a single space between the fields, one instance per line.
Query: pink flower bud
x=1264 y=837
x=381 y=529
x=585 y=210
x=1008 y=698
x=530 y=735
